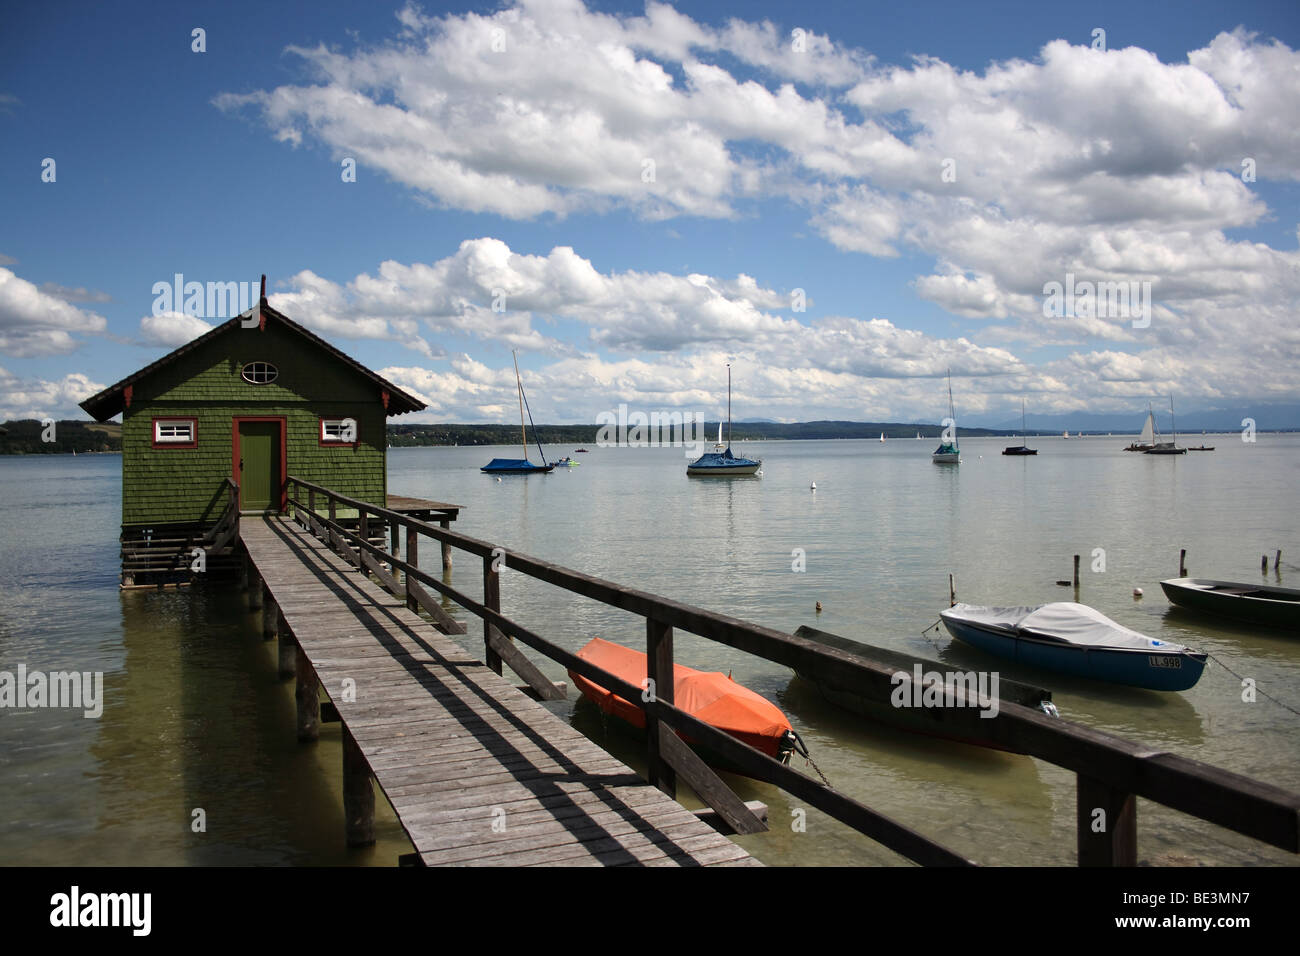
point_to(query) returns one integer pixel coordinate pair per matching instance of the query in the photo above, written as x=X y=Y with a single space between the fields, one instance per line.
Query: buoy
x=1137 y=592
x=814 y=486
x=819 y=607
x=498 y=479
x=760 y=472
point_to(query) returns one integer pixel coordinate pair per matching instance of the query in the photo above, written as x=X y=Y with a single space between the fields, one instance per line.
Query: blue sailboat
x=519 y=466
x=723 y=464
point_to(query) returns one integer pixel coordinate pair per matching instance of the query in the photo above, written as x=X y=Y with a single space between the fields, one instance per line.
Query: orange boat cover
x=711 y=697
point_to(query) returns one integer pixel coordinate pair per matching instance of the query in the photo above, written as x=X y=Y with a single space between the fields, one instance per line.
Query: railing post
x=334 y=513
x=659 y=686
x=491 y=599
x=394 y=536
x=446 y=548
x=1106 y=824
x=412 y=559
x=311 y=501
x=363 y=528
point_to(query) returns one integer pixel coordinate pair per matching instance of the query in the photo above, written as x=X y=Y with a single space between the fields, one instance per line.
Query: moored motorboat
x=1259 y=604
x=712 y=697
x=1076 y=639
x=940 y=721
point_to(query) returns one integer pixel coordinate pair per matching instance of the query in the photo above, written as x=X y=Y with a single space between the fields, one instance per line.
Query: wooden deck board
x=454 y=746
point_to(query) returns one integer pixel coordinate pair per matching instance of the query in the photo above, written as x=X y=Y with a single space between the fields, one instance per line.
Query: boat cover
x=712 y=697
x=511 y=464
x=722 y=460
x=1063 y=621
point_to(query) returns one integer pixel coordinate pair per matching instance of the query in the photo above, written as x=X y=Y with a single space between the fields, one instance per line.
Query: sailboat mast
x=1022 y=419
x=519 y=385
x=728 y=404
x=1173 y=426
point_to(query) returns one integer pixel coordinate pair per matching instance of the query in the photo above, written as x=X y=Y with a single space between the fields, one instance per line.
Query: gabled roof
x=112 y=400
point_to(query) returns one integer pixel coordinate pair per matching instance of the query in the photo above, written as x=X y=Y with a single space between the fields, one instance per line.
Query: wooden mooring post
x=1263 y=565
x=1076 y=572
x=1182 y=563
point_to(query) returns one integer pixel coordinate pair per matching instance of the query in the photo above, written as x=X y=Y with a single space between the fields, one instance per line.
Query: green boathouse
x=257 y=398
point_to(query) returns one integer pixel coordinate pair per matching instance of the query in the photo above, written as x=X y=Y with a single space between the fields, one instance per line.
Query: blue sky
x=503 y=147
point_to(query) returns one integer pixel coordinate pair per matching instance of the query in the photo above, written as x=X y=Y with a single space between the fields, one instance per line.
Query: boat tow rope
x=1261 y=692
x=802 y=750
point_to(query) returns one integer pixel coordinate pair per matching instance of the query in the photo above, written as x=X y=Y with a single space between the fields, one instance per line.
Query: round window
x=259 y=373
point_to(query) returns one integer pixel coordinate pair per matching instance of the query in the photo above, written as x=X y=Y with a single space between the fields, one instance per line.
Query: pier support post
x=244 y=562
x=358 y=794
x=254 y=590
x=270 y=618
x=446 y=548
x=659 y=670
x=288 y=650
x=308 y=696
x=1106 y=824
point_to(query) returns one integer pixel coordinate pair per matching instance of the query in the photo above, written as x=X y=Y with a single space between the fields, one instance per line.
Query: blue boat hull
x=1154 y=671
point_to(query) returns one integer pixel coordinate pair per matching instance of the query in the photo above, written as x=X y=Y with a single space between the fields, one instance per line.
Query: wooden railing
x=226 y=529
x=1111 y=771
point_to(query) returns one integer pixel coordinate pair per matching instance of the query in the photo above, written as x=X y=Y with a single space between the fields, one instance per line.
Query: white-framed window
x=174 y=431
x=338 y=431
x=259 y=373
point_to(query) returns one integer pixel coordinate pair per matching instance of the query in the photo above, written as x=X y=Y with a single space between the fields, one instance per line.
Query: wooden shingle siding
x=162 y=485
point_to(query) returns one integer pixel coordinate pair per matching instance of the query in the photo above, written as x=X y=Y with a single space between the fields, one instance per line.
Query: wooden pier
x=477 y=771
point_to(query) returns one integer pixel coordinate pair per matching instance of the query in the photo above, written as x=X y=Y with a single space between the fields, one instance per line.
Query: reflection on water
x=196 y=718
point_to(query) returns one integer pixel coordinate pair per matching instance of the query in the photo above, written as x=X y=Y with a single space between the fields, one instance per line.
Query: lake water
x=195 y=718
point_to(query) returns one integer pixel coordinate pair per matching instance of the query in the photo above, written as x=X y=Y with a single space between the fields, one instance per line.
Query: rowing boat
x=1276 y=607
x=712 y=697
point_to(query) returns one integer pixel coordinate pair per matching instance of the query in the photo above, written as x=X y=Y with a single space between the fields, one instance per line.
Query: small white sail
x=1148 y=435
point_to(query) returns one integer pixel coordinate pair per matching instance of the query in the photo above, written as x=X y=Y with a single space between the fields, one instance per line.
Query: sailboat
x=1167 y=447
x=519 y=466
x=948 y=453
x=882 y=438
x=918 y=436
x=719 y=446
x=1020 y=449
x=1066 y=434
x=724 y=464
x=1147 y=438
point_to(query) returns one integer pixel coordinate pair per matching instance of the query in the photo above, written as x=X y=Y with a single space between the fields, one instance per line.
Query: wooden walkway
x=478 y=773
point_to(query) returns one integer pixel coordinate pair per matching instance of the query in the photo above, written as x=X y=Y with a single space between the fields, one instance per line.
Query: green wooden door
x=259 y=466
